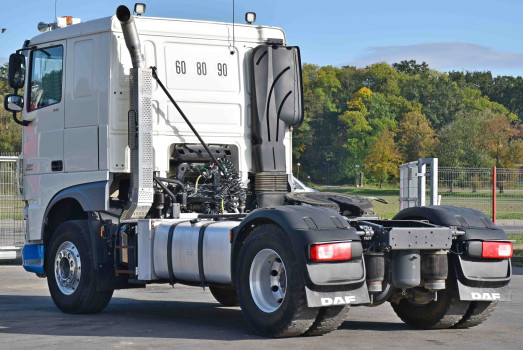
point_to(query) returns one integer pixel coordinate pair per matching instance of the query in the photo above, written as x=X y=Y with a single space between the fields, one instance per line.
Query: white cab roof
x=166 y=27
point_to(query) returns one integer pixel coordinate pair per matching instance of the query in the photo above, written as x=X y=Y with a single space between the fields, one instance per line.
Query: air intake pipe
x=276 y=106
x=130 y=35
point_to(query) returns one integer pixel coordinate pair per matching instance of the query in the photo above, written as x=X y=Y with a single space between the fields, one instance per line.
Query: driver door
x=44 y=108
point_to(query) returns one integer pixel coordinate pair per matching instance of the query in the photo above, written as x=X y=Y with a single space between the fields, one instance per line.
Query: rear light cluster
x=331 y=251
x=496 y=250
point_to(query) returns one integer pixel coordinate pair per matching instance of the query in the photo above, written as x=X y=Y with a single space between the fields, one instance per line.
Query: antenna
x=232 y=51
x=55 y=1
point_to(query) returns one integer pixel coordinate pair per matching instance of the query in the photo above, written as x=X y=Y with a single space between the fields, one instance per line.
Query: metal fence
x=509 y=197
x=12 y=225
x=473 y=188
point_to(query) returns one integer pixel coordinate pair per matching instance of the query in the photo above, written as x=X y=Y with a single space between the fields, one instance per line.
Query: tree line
x=369 y=120
x=10 y=132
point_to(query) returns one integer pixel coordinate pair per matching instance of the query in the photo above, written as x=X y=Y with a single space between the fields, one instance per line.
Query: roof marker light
x=250 y=17
x=139 y=8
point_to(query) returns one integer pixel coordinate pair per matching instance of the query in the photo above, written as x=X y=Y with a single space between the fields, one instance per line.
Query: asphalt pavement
x=187 y=317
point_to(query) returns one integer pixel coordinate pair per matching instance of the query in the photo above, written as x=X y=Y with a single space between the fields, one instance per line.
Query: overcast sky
x=449 y=35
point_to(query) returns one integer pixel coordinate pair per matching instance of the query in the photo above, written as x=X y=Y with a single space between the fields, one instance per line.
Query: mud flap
x=356 y=296
x=484 y=293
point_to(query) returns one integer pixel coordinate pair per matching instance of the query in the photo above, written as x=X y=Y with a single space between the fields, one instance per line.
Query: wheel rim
x=67 y=268
x=268 y=280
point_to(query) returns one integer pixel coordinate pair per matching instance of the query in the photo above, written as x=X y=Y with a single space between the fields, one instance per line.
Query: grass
x=509 y=206
x=386 y=211
x=513 y=216
x=483 y=194
x=517 y=238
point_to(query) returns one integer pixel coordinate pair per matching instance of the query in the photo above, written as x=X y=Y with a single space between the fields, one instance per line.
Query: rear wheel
x=477 y=313
x=71 y=276
x=445 y=312
x=328 y=320
x=270 y=286
x=226 y=296
x=472 y=313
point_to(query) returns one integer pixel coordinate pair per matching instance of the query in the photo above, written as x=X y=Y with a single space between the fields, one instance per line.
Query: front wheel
x=270 y=286
x=71 y=276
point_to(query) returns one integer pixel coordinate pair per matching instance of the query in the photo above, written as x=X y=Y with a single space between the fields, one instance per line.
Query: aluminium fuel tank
x=205 y=243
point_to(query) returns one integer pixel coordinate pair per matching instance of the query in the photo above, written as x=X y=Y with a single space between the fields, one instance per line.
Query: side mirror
x=13 y=103
x=16 y=77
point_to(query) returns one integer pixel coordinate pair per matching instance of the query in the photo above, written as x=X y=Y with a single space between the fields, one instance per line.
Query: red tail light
x=331 y=251
x=497 y=250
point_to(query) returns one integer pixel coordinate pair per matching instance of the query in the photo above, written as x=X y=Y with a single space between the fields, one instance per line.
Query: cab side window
x=46 y=77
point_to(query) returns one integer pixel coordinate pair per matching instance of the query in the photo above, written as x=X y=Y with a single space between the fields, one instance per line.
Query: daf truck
x=158 y=150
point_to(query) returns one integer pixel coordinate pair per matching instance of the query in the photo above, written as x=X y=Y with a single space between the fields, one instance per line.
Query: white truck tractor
x=158 y=150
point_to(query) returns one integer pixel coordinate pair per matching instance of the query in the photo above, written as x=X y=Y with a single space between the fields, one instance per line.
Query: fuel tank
x=199 y=252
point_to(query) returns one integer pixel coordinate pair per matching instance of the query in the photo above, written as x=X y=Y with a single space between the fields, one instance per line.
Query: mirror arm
x=18 y=121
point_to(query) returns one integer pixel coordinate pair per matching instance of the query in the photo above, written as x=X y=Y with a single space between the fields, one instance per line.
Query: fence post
x=494 y=179
x=422 y=169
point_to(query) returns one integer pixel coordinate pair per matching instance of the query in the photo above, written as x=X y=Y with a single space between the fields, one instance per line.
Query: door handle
x=57 y=165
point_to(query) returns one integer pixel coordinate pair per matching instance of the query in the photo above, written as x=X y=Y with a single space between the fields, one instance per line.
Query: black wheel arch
x=73 y=203
x=302 y=225
x=476 y=224
x=81 y=202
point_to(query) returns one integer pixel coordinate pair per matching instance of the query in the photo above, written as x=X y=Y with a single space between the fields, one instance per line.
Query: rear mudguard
x=330 y=283
x=477 y=279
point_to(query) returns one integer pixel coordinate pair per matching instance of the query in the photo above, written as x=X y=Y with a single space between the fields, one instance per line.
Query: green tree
x=383 y=159
x=505 y=90
x=381 y=77
x=460 y=141
x=417 y=138
x=498 y=134
x=367 y=116
x=411 y=67
x=10 y=132
x=347 y=108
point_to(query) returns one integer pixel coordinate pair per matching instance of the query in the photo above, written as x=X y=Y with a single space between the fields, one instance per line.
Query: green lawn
x=517 y=238
x=384 y=210
x=509 y=205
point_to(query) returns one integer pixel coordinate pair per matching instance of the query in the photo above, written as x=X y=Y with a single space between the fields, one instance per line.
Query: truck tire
x=328 y=320
x=446 y=312
x=477 y=313
x=71 y=276
x=226 y=296
x=270 y=285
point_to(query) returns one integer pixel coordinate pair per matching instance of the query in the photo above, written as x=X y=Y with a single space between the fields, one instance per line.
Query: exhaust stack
x=140 y=123
x=130 y=35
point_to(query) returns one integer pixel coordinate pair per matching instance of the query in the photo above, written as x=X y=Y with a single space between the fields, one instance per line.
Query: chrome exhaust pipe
x=130 y=35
